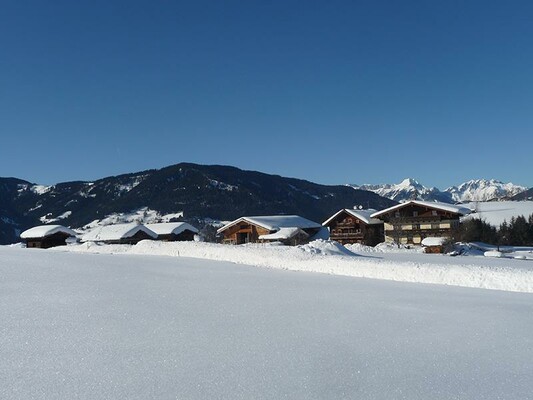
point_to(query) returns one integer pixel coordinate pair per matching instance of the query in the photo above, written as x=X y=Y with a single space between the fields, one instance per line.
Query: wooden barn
x=119 y=234
x=46 y=236
x=173 y=231
x=287 y=229
x=349 y=226
x=415 y=220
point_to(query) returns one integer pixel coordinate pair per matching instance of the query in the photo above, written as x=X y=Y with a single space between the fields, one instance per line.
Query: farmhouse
x=413 y=221
x=173 y=231
x=349 y=226
x=119 y=234
x=46 y=236
x=288 y=229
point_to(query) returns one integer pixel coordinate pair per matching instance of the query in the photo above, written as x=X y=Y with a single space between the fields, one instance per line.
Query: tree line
x=517 y=232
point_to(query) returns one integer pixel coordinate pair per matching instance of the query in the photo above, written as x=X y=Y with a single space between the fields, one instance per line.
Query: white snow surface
x=88 y=326
x=496 y=212
x=332 y=258
x=168 y=228
x=282 y=234
x=434 y=241
x=45 y=230
x=116 y=232
x=142 y=215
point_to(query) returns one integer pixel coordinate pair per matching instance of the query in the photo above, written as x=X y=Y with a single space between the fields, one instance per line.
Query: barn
x=173 y=231
x=46 y=236
x=119 y=234
x=287 y=229
x=349 y=226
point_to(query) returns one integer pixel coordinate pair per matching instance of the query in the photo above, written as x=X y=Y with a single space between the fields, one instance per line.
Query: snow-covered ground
x=96 y=326
x=332 y=258
x=495 y=212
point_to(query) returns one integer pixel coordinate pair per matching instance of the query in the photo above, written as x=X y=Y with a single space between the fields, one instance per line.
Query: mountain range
x=195 y=191
x=473 y=190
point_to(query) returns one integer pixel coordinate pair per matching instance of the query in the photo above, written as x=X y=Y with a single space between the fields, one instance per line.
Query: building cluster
x=415 y=222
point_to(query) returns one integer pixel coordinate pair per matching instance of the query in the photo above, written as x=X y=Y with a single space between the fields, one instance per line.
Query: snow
x=171 y=228
x=275 y=222
x=496 y=212
x=328 y=257
x=45 y=230
x=40 y=189
x=363 y=215
x=282 y=234
x=142 y=215
x=46 y=219
x=434 y=241
x=115 y=232
x=432 y=204
x=87 y=326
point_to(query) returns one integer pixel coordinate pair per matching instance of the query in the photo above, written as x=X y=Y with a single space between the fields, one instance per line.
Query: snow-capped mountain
x=473 y=190
x=408 y=189
x=484 y=190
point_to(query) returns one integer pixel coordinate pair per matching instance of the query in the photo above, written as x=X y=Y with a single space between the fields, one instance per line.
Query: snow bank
x=332 y=258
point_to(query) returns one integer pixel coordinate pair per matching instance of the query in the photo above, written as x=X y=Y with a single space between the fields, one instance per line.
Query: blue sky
x=333 y=92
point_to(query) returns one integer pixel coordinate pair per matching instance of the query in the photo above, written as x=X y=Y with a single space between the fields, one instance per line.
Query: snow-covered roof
x=434 y=241
x=169 y=228
x=283 y=234
x=275 y=222
x=116 y=232
x=45 y=230
x=431 y=204
x=363 y=215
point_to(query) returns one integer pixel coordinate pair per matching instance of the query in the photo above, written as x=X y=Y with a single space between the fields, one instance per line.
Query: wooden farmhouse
x=288 y=229
x=119 y=234
x=173 y=231
x=349 y=226
x=415 y=220
x=46 y=236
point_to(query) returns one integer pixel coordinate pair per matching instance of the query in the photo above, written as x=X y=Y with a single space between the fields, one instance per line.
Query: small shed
x=434 y=245
x=46 y=236
x=119 y=234
x=173 y=231
x=288 y=236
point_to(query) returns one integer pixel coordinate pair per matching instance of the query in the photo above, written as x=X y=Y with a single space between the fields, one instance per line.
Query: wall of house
x=412 y=224
x=243 y=233
x=347 y=229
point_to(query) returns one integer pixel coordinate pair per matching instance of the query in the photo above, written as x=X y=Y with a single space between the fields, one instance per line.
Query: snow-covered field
x=123 y=326
x=364 y=262
x=496 y=212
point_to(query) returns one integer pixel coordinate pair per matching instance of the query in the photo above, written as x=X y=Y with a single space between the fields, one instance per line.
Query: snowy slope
x=473 y=190
x=86 y=326
x=495 y=213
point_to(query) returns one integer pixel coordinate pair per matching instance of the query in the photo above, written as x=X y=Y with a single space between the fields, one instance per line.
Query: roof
x=275 y=222
x=46 y=230
x=434 y=241
x=363 y=215
x=430 y=204
x=283 y=234
x=169 y=228
x=116 y=232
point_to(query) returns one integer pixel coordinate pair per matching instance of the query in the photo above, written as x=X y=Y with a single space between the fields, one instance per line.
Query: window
x=397 y=214
x=415 y=213
x=434 y=213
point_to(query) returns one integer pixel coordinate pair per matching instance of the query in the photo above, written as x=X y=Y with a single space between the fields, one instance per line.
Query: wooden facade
x=412 y=222
x=57 y=239
x=243 y=232
x=346 y=227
